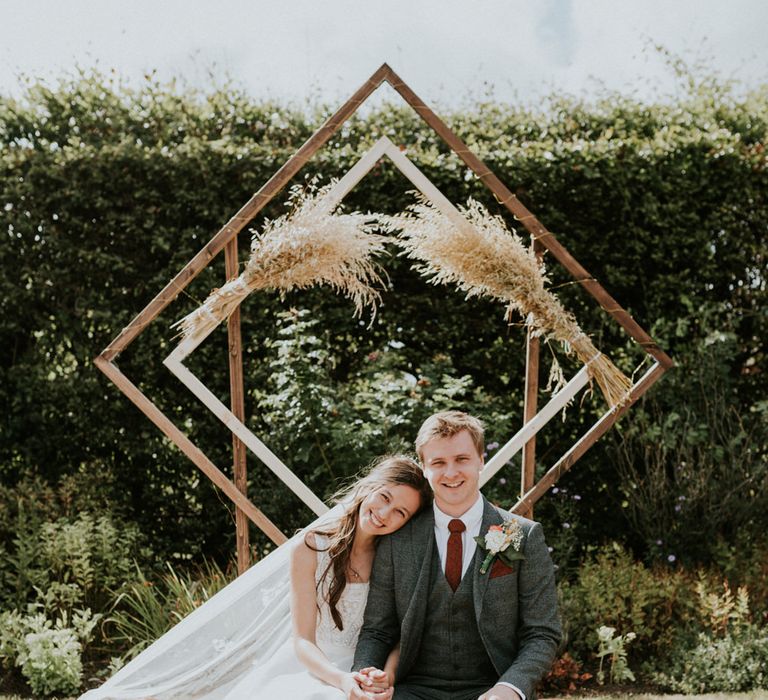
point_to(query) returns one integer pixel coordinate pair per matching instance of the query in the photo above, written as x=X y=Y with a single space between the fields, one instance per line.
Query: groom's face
x=452 y=465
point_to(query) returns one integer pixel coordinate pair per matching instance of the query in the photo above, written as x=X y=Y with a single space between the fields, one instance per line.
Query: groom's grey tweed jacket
x=516 y=613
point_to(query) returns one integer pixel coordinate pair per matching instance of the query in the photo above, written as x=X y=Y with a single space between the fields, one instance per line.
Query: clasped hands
x=369 y=684
x=372 y=683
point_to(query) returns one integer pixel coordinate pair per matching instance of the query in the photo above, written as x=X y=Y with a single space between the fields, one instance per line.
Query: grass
x=752 y=695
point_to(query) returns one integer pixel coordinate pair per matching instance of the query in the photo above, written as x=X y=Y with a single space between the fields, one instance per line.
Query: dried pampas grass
x=482 y=257
x=309 y=245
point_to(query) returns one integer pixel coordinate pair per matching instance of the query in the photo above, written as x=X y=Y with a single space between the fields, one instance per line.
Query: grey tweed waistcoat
x=451 y=655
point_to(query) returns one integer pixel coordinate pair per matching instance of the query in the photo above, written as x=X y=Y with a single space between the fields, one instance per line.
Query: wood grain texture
x=530 y=407
x=237 y=403
x=537 y=230
x=190 y=449
x=241 y=219
x=586 y=441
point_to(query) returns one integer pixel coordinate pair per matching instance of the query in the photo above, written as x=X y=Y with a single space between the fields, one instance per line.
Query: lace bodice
x=351 y=607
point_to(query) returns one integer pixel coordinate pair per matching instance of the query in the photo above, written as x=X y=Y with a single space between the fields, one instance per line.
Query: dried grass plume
x=478 y=253
x=309 y=245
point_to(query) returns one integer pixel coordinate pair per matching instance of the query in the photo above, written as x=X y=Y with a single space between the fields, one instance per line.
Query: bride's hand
x=372 y=678
x=375 y=683
x=351 y=688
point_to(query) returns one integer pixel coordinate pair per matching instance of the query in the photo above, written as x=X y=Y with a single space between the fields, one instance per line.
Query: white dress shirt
x=473 y=520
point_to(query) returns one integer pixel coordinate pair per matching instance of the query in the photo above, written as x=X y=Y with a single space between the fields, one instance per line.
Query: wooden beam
x=237 y=403
x=189 y=449
x=549 y=411
x=531 y=223
x=241 y=219
x=587 y=440
x=238 y=428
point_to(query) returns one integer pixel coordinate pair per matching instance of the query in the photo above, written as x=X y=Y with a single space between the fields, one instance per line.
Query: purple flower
x=566 y=525
x=555 y=489
x=671 y=558
x=502 y=481
x=576 y=497
x=678 y=508
x=493 y=446
x=659 y=543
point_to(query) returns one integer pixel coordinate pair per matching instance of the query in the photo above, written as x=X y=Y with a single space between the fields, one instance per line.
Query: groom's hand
x=500 y=692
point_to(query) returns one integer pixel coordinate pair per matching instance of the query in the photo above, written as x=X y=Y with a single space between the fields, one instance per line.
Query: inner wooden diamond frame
x=226 y=238
x=174 y=361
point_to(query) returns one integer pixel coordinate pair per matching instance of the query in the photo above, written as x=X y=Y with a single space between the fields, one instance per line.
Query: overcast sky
x=447 y=50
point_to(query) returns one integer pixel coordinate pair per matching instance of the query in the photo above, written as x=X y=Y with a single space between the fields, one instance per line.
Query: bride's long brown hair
x=387 y=471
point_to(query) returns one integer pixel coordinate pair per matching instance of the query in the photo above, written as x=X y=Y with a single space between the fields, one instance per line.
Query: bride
x=330 y=568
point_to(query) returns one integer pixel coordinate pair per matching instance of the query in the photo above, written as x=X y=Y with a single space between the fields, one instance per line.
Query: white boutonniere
x=503 y=541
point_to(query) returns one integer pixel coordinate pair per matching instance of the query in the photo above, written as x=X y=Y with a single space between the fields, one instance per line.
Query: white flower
x=495 y=540
x=606 y=633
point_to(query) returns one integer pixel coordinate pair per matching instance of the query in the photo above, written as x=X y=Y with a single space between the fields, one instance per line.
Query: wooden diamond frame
x=226 y=239
x=175 y=360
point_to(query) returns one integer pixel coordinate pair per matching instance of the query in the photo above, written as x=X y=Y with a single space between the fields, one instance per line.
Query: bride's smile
x=388 y=508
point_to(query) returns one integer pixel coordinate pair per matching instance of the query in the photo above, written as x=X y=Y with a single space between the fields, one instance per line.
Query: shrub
x=49 y=535
x=694 y=473
x=565 y=676
x=613 y=590
x=58 y=571
x=47 y=651
x=81 y=558
x=737 y=661
x=731 y=654
x=664 y=203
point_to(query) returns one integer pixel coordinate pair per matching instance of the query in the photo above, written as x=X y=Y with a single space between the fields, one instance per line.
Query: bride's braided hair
x=390 y=470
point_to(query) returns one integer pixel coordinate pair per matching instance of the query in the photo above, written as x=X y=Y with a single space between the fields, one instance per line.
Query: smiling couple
x=401 y=584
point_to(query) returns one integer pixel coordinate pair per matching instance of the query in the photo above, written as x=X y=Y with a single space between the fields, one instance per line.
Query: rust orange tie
x=454 y=555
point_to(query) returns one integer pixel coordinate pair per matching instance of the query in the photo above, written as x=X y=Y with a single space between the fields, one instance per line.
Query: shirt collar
x=470 y=518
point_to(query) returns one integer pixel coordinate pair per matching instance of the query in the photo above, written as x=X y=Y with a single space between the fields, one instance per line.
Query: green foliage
x=146 y=610
x=560 y=514
x=106 y=192
x=730 y=655
x=328 y=426
x=70 y=559
x=48 y=651
x=743 y=561
x=59 y=565
x=612 y=590
x=735 y=662
x=694 y=473
x=614 y=648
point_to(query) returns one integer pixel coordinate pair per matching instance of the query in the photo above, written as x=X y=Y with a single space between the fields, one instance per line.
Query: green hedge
x=106 y=192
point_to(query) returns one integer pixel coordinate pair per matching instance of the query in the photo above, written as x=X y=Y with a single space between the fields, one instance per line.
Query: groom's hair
x=447 y=424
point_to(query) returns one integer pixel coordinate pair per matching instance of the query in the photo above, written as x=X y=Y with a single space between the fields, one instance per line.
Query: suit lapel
x=480 y=581
x=422 y=546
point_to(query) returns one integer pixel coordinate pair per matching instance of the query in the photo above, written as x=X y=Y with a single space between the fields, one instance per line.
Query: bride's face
x=388 y=508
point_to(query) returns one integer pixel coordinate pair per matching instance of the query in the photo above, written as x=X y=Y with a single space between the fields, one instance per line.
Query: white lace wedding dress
x=238 y=644
x=284 y=676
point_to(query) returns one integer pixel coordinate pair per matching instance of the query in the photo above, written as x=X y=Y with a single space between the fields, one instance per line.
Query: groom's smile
x=452 y=466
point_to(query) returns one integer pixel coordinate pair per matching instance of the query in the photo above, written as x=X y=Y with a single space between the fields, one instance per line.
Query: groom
x=463 y=634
